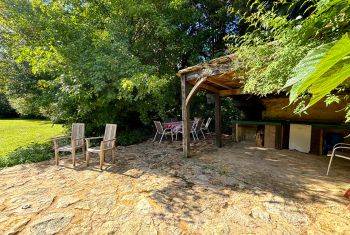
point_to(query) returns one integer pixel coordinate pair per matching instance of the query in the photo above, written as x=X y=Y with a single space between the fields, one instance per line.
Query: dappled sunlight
x=257 y=148
x=248 y=191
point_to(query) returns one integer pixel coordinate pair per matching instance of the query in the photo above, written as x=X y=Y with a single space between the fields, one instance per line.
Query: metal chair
x=198 y=128
x=338 y=152
x=192 y=131
x=205 y=127
x=162 y=131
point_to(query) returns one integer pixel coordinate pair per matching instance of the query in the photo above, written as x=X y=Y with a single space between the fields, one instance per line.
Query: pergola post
x=185 y=117
x=218 y=140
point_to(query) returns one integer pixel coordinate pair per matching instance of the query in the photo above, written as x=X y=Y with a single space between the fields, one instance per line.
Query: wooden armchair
x=108 y=143
x=77 y=142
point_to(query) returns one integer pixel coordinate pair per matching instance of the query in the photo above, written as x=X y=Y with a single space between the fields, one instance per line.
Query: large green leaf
x=304 y=68
x=321 y=71
x=335 y=54
x=327 y=83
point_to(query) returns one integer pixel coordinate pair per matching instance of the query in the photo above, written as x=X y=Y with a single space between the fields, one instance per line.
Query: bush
x=29 y=154
x=132 y=137
x=6 y=111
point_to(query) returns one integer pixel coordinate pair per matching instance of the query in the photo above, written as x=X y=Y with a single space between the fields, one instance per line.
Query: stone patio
x=153 y=190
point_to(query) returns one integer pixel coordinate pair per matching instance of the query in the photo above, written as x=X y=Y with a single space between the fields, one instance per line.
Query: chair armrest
x=341 y=144
x=341 y=147
x=57 y=140
x=60 y=138
x=94 y=138
x=91 y=138
x=338 y=148
x=108 y=140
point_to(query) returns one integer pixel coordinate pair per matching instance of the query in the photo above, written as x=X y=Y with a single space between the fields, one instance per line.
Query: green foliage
x=6 y=111
x=291 y=44
x=104 y=61
x=28 y=154
x=130 y=137
x=322 y=71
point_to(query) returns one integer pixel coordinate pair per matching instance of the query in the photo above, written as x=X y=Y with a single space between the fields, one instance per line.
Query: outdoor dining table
x=174 y=126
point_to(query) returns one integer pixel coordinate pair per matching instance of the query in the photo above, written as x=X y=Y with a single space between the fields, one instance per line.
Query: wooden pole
x=185 y=117
x=218 y=140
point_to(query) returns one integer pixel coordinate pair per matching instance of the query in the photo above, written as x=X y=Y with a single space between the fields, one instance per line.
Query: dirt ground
x=237 y=189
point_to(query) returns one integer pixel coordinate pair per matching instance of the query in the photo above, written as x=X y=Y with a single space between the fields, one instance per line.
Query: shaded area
x=151 y=188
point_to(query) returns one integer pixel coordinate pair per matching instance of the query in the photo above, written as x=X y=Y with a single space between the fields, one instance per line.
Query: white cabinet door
x=300 y=137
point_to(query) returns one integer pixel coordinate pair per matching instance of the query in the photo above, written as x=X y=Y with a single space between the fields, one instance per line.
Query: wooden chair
x=338 y=151
x=77 y=142
x=107 y=144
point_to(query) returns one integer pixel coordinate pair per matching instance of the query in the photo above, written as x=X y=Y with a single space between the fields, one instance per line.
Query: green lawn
x=20 y=133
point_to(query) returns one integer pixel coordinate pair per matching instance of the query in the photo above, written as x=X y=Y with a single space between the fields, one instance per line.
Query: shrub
x=29 y=154
x=129 y=137
x=6 y=111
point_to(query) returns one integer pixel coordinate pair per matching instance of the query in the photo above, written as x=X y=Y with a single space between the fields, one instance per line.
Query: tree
x=282 y=50
x=105 y=61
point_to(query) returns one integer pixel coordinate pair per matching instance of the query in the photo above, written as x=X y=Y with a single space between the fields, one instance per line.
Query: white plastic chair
x=205 y=127
x=162 y=131
x=335 y=153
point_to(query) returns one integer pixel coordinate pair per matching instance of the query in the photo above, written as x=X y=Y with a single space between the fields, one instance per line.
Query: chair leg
x=330 y=162
x=113 y=155
x=172 y=137
x=102 y=159
x=193 y=135
x=73 y=156
x=155 y=136
x=160 y=141
x=87 y=158
x=203 y=134
x=83 y=151
x=57 y=157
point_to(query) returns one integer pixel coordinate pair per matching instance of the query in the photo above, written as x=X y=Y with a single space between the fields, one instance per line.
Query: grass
x=18 y=133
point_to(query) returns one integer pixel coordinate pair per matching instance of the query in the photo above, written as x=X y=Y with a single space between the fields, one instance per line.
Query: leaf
x=326 y=84
x=304 y=68
x=340 y=50
x=322 y=70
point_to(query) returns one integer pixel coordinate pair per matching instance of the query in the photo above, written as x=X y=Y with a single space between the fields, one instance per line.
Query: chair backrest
x=110 y=133
x=159 y=126
x=78 y=132
x=199 y=124
x=208 y=122
x=196 y=119
x=194 y=124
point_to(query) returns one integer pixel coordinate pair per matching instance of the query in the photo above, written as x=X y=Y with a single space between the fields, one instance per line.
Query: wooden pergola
x=215 y=76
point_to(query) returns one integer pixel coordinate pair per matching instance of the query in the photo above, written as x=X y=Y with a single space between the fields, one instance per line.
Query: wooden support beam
x=185 y=117
x=219 y=83
x=230 y=92
x=194 y=90
x=205 y=86
x=218 y=140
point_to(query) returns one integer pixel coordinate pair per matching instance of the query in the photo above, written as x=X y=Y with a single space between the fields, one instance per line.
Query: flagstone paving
x=153 y=190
